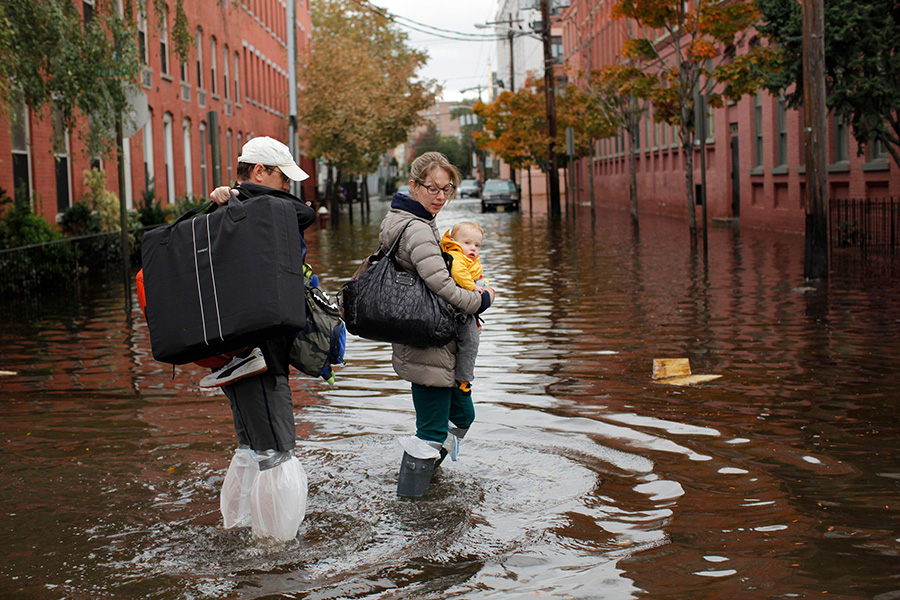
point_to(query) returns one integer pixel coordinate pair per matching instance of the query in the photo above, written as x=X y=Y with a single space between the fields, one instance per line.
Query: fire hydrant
x=323 y=216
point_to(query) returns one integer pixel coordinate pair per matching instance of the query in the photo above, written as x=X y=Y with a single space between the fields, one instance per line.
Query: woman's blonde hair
x=423 y=166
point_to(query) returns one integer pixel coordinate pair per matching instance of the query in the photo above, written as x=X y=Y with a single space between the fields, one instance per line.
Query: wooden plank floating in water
x=677 y=371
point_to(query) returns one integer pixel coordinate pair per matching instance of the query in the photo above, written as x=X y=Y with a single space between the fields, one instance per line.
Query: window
x=126 y=161
x=841 y=152
x=184 y=73
x=199 y=36
x=757 y=131
x=169 y=149
x=164 y=41
x=87 y=8
x=188 y=152
x=229 y=160
x=237 y=85
x=877 y=150
x=20 y=152
x=226 y=91
x=61 y=156
x=202 y=141
x=556 y=49
x=149 y=167
x=214 y=78
x=781 y=132
x=143 y=51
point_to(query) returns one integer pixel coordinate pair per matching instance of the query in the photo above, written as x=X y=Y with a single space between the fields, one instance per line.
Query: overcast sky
x=456 y=64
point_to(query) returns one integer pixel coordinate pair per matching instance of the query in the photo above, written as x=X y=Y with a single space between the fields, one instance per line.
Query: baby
x=463 y=244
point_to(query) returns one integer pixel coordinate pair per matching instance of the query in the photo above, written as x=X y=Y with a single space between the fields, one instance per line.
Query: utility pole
x=550 y=95
x=815 y=264
x=512 y=78
x=292 y=88
x=512 y=63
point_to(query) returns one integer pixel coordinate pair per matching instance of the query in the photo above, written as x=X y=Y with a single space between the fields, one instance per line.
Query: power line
x=457 y=36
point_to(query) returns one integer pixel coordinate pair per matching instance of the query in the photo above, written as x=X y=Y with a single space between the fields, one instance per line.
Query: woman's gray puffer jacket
x=419 y=252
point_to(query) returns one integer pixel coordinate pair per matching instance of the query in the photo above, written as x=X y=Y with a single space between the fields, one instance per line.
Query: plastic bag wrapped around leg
x=235 y=499
x=278 y=500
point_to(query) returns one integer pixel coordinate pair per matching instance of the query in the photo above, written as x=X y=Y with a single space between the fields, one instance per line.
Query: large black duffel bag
x=216 y=281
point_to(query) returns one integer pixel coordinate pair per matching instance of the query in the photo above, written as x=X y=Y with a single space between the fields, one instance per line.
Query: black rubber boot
x=415 y=475
x=440 y=459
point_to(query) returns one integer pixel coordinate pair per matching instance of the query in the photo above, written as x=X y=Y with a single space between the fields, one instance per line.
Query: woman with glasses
x=443 y=411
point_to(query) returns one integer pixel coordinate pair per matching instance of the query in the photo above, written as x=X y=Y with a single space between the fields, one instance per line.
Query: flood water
x=581 y=478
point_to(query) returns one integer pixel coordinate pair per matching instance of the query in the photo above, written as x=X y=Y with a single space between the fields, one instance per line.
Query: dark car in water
x=469 y=188
x=499 y=195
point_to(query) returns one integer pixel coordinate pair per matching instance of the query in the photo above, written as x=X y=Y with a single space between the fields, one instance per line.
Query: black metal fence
x=62 y=266
x=871 y=225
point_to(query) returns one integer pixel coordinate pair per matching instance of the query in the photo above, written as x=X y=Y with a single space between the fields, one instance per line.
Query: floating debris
x=677 y=371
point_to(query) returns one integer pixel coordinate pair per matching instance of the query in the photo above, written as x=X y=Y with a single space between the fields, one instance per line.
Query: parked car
x=499 y=195
x=469 y=188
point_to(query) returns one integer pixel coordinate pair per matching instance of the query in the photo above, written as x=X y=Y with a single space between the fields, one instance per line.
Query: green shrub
x=79 y=219
x=103 y=203
x=149 y=211
x=19 y=226
x=184 y=204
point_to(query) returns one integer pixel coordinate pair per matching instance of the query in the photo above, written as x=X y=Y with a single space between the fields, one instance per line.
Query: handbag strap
x=393 y=249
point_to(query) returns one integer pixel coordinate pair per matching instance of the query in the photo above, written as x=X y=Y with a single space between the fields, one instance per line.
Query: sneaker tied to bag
x=241 y=366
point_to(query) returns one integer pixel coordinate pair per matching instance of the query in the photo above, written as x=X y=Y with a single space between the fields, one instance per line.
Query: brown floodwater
x=581 y=478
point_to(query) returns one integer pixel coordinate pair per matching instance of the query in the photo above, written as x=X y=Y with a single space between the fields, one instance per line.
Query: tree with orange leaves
x=514 y=127
x=679 y=43
x=515 y=124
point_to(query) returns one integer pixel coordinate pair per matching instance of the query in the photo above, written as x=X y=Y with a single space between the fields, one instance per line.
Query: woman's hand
x=221 y=195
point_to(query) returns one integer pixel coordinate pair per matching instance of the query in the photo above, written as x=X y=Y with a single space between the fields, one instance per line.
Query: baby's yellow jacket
x=464 y=270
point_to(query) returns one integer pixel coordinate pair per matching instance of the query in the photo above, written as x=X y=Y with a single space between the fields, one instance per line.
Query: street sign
x=137 y=114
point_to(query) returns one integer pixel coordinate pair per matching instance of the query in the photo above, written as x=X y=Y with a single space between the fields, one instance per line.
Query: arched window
x=226 y=88
x=169 y=154
x=199 y=36
x=188 y=161
x=237 y=84
x=204 y=182
x=214 y=77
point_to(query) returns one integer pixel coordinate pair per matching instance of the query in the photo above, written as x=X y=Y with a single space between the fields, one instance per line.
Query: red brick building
x=233 y=87
x=754 y=148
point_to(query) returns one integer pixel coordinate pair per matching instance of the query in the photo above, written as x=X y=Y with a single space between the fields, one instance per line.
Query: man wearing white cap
x=265 y=485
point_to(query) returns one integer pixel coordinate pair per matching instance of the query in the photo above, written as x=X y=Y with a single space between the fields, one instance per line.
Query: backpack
x=322 y=343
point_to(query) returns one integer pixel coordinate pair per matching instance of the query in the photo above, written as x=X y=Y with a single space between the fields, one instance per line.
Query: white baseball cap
x=271 y=153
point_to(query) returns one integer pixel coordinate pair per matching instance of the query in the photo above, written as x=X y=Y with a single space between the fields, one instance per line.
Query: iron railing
x=64 y=266
x=870 y=225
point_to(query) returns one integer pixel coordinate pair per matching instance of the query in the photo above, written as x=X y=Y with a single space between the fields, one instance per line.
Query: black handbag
x=386 y=304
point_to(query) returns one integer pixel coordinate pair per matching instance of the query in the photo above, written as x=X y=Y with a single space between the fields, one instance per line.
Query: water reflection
x=581 y=478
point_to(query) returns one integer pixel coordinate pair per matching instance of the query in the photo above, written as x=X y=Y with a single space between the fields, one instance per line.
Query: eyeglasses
x=284 y=178
x=434 y=190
